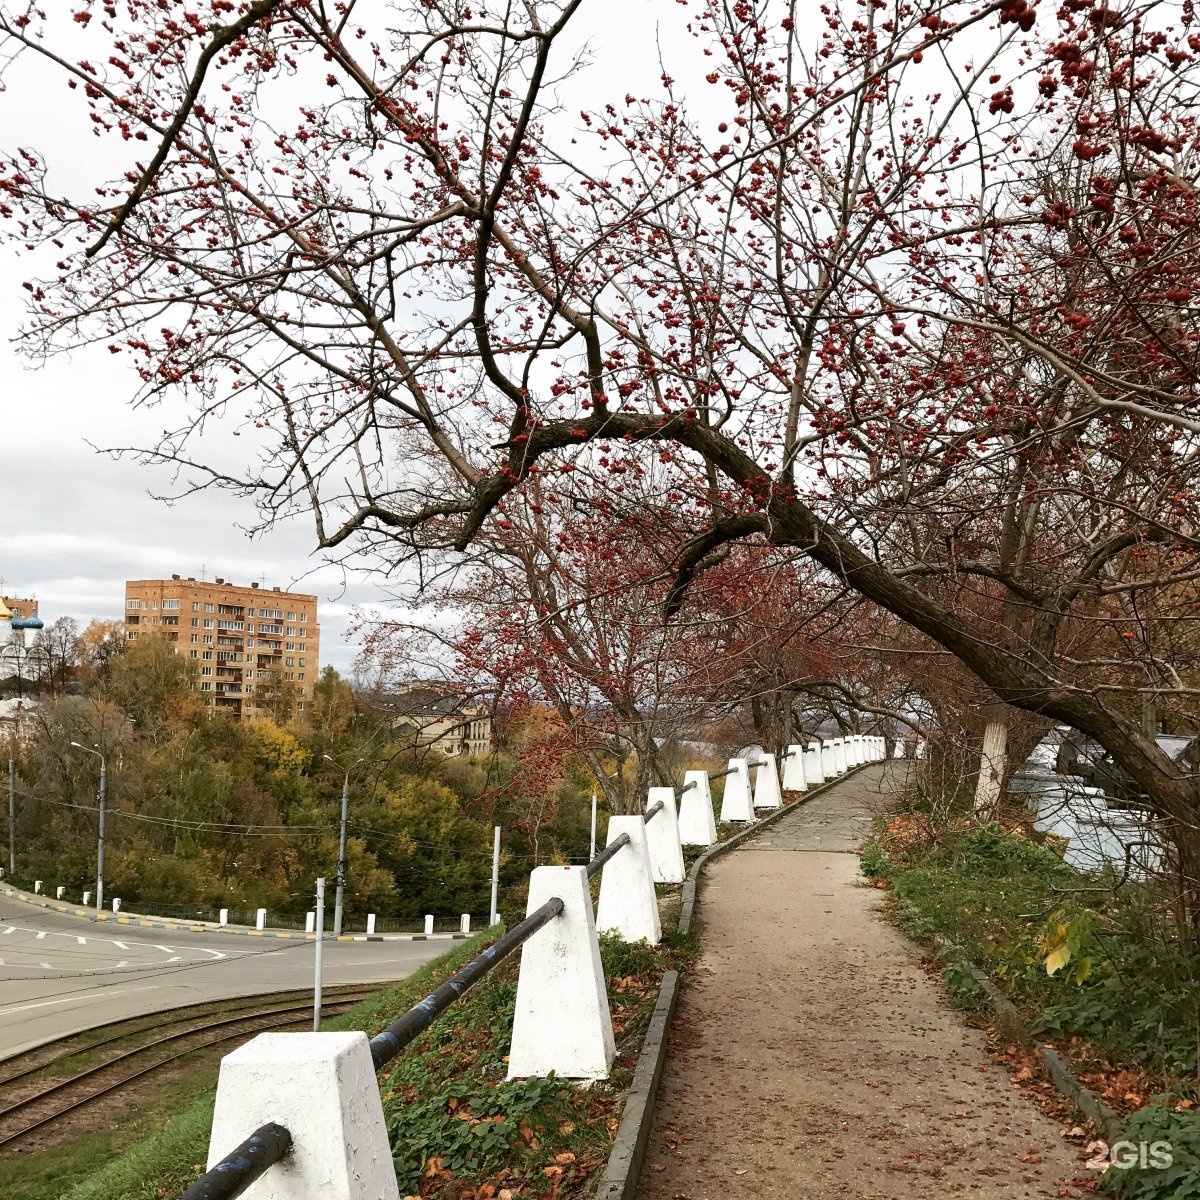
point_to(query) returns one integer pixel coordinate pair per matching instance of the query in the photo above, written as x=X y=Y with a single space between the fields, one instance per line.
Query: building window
x=303 y=617
x=208 y=623
x=206 y=686
x=291 y=630
x=195 y=606
x=304 y=633
x=206 y=670
x=133 y=637
x=291 y=645
x=207 y=654
x=250 y=673
x=154 y=604
x=195 y=622
x=208 y=639
x=195 y=653
x=302 y=662
x=195 y=637
x=170 y=604
x=208 y=608
x=301 y=676
x=291 y=616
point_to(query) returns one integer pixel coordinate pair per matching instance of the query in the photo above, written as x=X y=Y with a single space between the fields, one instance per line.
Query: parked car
x=1104 y=773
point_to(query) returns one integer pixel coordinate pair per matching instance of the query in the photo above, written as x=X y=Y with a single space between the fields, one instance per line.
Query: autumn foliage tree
x=904 y=288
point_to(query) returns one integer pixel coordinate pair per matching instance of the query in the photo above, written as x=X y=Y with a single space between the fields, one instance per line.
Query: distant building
x=19 y=627
x=433 y=715
x=244 y=641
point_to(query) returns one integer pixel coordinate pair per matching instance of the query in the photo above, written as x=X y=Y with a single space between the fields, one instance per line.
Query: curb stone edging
x=624 y=1167
x=1108 y=1122
x=628 y=1153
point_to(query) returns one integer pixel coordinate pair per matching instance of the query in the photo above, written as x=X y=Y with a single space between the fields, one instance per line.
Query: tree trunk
x=991 y=769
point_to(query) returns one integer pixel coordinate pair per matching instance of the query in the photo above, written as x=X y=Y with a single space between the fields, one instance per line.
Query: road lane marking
x=165 y=949
x=81 y=941
x=81 y=996
x=48 y=966
x=120 y=945
x=41 y=935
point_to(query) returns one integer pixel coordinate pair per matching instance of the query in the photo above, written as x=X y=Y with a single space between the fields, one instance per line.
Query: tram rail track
x=43 y=1107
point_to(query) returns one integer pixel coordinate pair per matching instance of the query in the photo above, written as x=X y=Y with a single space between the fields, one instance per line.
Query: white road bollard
x=898 y=752
x=814 y=776
x=856 y=754
x=737 y=803
x=839 y=756
x=222 y=916
x=260 y=919
x=828 y=766
x=321 y=1088
x=662 y=837
x=628 y=905
x=465 y=926
x=428 y=924
x=116 y=904
x=697 y=826
x=793 y=770
x=562 y=1023
x=766 y=785
x=370 y=924
x=87 y=899
x=37 y=887
x=58 y=892
x=310 y=922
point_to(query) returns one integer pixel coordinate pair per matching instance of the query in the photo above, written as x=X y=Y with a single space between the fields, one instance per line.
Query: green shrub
x=1169 y=1144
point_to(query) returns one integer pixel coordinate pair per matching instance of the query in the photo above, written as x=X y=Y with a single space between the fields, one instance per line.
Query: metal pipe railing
x=722 y=774
x=229 y=1178
x=608 y=852
x=652 y=811
x=388 y=1043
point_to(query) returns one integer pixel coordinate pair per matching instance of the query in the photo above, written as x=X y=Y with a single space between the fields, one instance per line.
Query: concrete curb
x=624 y=1168
x=1062 y=1074
x=149 y=922
x=625 y=1159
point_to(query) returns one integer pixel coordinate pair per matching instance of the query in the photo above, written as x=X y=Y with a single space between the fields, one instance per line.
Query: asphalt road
x=61 y=974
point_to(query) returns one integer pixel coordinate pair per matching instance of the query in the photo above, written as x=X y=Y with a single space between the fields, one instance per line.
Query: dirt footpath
x=812 y=1057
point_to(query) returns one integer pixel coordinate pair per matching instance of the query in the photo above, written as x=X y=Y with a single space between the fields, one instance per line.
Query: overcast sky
x=77 y=524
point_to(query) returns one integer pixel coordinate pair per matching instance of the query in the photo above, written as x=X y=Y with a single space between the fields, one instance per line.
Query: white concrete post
x=87 y=899
x=628 y=905
x=737 y=803
x=920 y=751
x=260 y=919
x=562 y=1023
x=839 y=756
x=898 y=752
x=465 y=927
x=662 y=838
x=697 y=826
x=116 y=904
x=814 y=776
x=310 y=922
x=766 y=785
x=828 y=767
x=370 y=923
x=37 y=887
x=58 y=892
x=428 y=924
x=222 y=916
x=793 y=770
x=321 y=1088
x=856 y=757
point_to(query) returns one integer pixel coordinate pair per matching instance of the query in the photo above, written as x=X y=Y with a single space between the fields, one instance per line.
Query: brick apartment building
x=241 y=640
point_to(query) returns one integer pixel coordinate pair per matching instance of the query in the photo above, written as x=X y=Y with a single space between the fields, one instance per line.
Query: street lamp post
x=100 y=843
x=341 y=863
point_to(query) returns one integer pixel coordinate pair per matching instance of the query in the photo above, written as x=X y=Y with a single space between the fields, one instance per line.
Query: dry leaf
x=565 y=1157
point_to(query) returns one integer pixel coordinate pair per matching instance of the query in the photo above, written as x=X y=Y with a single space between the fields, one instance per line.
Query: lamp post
x=341 y=864
x=100 y=843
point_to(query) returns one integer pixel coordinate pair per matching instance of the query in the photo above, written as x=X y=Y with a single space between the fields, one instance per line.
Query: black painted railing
x=267 y=1145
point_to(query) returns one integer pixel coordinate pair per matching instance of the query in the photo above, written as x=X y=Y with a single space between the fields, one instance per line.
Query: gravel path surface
x=812 y=1057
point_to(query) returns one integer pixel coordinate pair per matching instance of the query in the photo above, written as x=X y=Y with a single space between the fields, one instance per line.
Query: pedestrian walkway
x=810 y=1055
